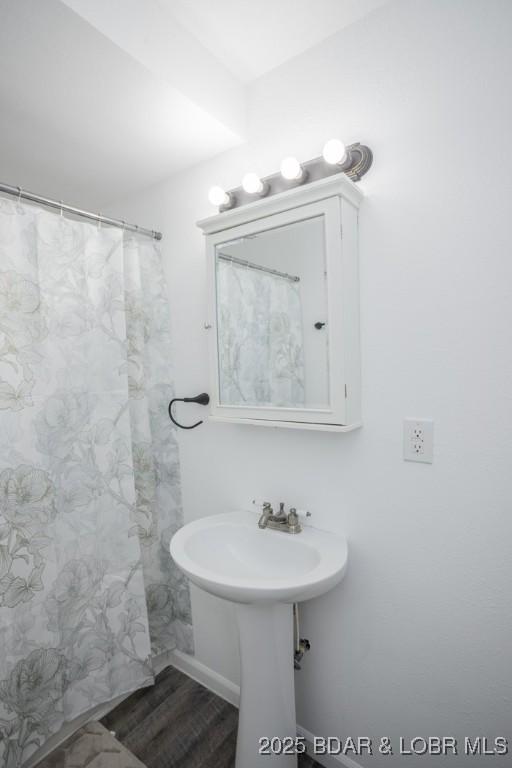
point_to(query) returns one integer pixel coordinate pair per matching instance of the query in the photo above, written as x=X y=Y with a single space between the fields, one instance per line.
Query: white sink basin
x=263 y=572
x=229 y=556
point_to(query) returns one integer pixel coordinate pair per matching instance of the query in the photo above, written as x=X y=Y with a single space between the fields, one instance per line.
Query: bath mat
x=93 y=746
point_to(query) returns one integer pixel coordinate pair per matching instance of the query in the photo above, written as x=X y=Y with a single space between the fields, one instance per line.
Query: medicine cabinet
x=283 y=309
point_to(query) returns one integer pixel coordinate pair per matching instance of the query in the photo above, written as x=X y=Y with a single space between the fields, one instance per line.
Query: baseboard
x=231 y=693
x=328 y=761
x=205 y=676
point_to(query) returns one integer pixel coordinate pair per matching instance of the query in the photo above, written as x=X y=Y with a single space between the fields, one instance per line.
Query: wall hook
x=202 y=399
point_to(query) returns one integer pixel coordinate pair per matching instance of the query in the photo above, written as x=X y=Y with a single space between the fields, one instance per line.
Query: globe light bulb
x=334 y=152
x=252 y=184
x=217 y=196
x=291 y=169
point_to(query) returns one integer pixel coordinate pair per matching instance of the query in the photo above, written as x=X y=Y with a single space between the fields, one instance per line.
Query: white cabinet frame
x=337 y=199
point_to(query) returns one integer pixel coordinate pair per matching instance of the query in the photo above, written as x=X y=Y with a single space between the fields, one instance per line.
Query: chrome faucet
x=266 y=513
x=288 y=523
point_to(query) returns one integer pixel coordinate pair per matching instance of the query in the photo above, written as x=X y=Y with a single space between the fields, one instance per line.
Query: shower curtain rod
x=60 y=206
x=251 y=265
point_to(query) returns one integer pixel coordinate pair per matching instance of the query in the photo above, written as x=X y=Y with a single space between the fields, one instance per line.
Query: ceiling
x=81 y=119
x=101 y=99
x=252 y=37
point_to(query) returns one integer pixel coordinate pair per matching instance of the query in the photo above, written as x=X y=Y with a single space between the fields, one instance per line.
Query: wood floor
x=178 y=723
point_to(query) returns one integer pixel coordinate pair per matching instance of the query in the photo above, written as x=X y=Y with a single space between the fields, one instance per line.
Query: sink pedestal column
x=267 y=689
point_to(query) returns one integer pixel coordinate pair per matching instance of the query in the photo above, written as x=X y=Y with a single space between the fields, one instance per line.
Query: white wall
x=417 y=639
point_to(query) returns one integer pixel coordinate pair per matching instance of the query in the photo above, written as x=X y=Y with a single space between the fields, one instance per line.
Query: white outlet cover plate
x=419 y=440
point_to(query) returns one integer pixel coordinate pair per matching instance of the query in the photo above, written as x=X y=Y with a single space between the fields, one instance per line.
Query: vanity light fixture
x=219 y=197
x=353 y=160
x=292 y=170
x=253 y=185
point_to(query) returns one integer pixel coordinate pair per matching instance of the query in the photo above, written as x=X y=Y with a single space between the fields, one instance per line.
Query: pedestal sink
x=264 y=572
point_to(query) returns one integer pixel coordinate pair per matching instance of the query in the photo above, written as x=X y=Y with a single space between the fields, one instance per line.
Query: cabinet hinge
x=346 y=392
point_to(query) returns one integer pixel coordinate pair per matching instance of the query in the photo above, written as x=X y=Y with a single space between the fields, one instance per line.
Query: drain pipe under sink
x=301 y=644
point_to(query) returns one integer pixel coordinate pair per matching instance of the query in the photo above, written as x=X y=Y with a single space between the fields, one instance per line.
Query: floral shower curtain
x=89 y=473
x=260 y=337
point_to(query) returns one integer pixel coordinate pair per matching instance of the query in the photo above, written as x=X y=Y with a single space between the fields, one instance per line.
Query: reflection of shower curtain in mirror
x=260 y=337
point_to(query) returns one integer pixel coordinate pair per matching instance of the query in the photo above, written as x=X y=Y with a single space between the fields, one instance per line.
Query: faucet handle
x=300 y=514
x=293 y=522
x=264 y=505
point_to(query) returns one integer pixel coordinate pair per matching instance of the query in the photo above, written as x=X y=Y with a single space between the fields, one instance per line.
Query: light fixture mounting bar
x=357 y=162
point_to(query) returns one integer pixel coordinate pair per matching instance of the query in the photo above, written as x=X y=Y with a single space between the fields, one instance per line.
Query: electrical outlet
x=419 y=440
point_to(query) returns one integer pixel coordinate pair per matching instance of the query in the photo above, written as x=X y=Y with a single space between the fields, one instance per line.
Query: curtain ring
x=20 y=190
x=61 y=211
x=99 y=220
